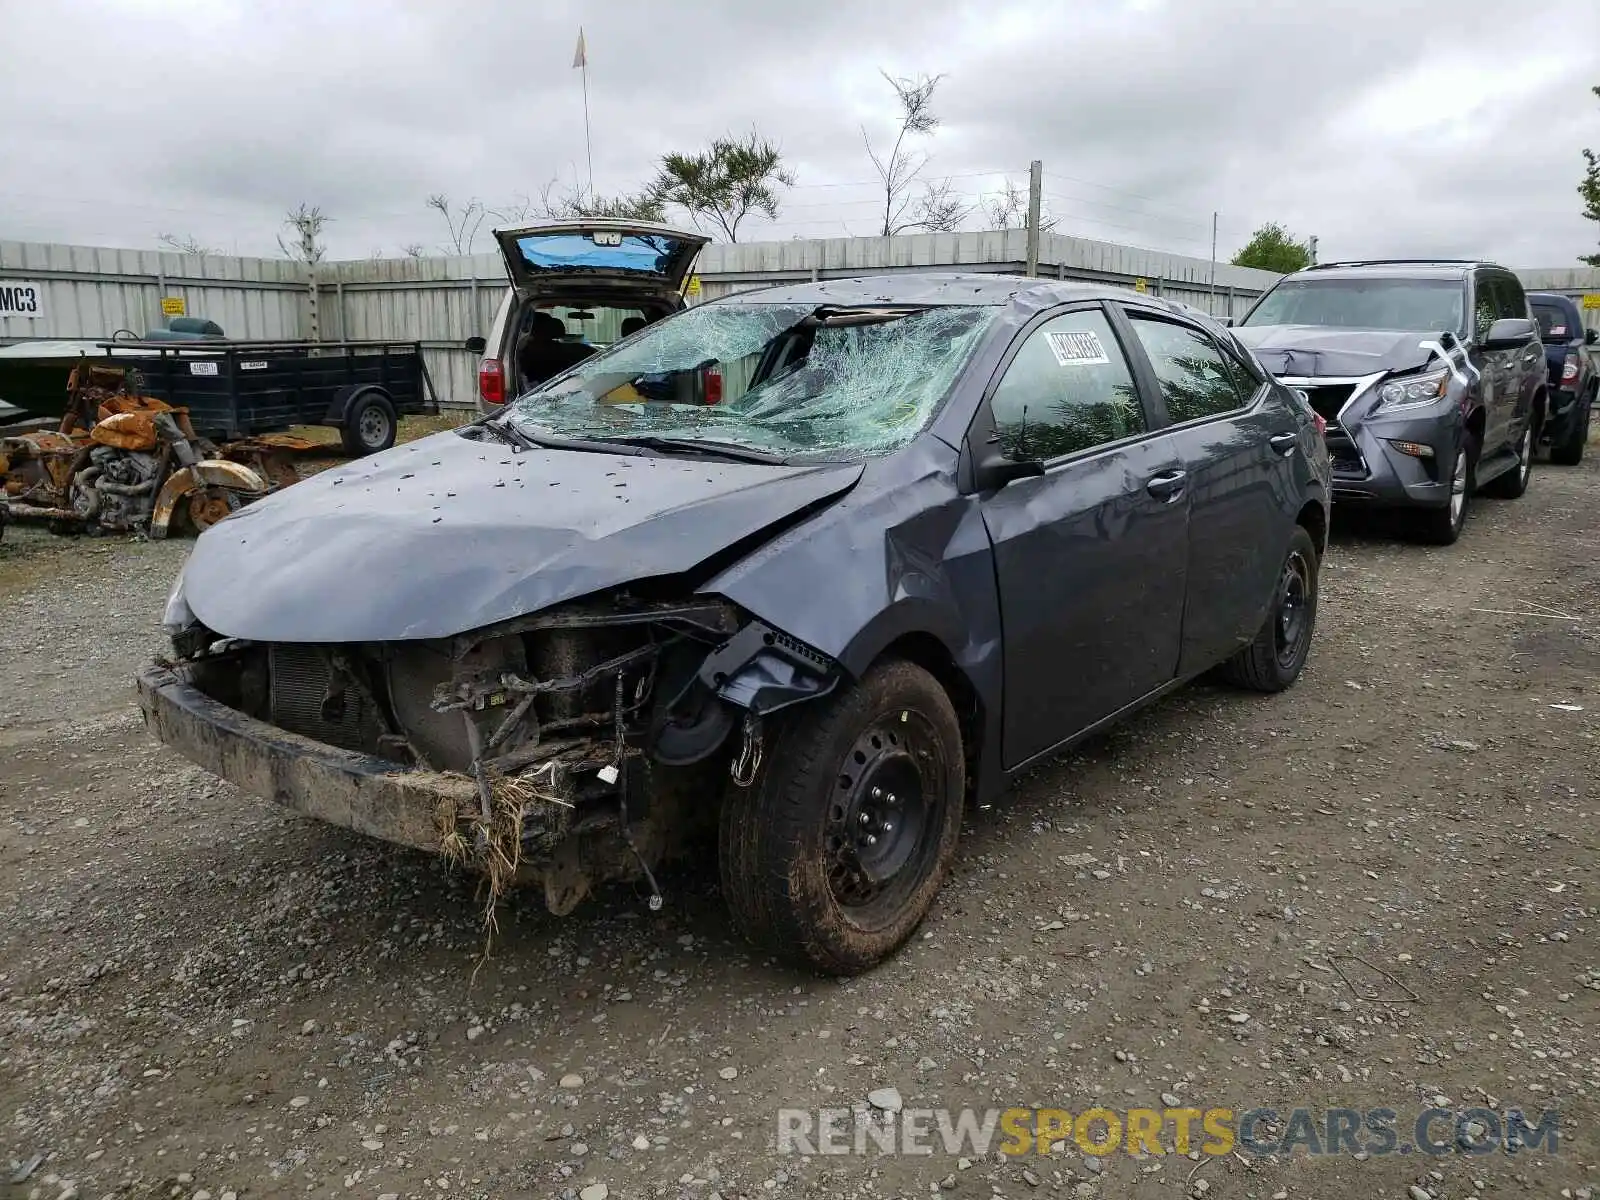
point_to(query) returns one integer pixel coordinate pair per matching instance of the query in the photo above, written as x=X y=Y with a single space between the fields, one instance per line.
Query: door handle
x=1167 y=486
x=1284 y=443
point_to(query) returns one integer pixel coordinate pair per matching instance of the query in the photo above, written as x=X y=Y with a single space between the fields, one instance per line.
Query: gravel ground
x=203 y=998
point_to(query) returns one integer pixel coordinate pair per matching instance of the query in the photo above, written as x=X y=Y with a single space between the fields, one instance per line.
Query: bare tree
x=463 y=221
x=522 y=206
x=900 y=168
x=413 y=250
x=940 y=208
x=305 y=225
x=1008 y=209
x=185 y=243
x=560 y=202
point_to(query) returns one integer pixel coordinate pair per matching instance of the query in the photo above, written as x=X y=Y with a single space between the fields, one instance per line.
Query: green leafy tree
x=1589 y=189
x=725 y=183
x=1273 y=248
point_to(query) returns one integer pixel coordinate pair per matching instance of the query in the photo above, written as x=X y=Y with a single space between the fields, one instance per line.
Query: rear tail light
x=492 y=381
x=714 y=385
x=1320 y=422
x=1569 y=370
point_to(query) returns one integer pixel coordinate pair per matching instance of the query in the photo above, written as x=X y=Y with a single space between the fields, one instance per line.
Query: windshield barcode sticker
x=1076 y=349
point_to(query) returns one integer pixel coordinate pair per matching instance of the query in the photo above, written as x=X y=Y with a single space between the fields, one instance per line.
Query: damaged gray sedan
x=800 y=572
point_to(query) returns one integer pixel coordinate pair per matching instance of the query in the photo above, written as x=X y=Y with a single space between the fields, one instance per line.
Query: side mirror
x=1591 y=336
x=1227 y=322
x=994 y=470
x=1508 y=333
x=476 y=345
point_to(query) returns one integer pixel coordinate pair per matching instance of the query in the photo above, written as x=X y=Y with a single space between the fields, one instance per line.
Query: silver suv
x=577 y=287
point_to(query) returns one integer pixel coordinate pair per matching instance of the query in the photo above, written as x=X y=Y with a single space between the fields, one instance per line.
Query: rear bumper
x=374 y=796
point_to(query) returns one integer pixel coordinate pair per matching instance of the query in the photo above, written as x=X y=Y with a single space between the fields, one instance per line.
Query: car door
x=1089 y=555
x=1525 y=364
x=1496 y=377
x=1238 y=442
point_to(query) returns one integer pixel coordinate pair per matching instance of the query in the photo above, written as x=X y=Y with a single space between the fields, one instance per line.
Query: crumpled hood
x=1310 y=350
x=449 y=534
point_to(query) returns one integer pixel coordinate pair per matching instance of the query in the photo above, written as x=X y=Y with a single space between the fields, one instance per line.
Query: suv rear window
x=632 y=253
x=1552 y=320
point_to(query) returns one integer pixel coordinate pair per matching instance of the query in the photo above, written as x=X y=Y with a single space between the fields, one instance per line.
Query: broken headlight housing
x=1415 y=390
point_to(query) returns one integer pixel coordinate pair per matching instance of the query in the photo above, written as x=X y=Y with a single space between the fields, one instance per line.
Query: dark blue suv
x=1573 y=378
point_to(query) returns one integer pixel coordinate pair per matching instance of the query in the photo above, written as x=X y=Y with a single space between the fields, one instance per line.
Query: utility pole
x=1212 y=303
x=1035 y=202
x=1311 y=245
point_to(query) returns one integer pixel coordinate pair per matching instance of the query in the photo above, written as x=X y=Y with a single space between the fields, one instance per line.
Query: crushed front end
x=585 y=743
x=1392 y=436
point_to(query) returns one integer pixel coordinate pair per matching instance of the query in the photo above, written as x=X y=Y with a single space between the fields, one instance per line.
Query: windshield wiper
x=707 y=449
x=503 y=429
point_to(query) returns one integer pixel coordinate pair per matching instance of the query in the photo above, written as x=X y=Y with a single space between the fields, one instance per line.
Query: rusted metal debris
x=122 y=462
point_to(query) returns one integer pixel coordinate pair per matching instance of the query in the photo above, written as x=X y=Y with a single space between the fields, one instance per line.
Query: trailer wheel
x=370 y=425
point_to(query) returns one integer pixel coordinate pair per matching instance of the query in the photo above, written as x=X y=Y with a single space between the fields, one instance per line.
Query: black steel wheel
x=1274 y=660
x=370 y=425
x=1568 y=452
x=833 y=856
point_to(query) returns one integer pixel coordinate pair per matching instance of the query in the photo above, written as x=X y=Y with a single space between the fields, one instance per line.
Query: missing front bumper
x=367 y=794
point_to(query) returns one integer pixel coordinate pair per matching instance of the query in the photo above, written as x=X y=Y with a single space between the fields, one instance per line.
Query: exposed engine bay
x=597 y=736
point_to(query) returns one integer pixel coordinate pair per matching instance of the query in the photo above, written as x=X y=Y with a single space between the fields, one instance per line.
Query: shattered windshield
x=785 y=379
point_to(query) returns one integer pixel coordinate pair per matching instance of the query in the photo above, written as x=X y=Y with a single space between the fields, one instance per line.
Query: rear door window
x=1195 y=379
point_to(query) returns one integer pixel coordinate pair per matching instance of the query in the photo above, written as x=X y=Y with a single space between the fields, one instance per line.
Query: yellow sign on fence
x=1141 y=285
x=693 y=287
x=173 y=306
x=1591 y=300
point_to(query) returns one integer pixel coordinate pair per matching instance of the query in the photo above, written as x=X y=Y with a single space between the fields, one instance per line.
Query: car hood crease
x=450 y=534
x=1312 y=350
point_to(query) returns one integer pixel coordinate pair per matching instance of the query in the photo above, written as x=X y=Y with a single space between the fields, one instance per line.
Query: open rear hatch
x=599 y=257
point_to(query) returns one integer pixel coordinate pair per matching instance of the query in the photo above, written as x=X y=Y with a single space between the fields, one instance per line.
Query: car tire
x=1512 y=484
x=370 y=426
x=1568 y=452
x=1274 y=660
x=881 y=760
x=1442 y=526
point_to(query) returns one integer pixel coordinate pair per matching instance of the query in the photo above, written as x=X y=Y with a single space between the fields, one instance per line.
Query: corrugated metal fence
x=86 y=292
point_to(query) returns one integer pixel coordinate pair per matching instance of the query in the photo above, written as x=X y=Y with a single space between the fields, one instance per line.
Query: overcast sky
x=1382 y=126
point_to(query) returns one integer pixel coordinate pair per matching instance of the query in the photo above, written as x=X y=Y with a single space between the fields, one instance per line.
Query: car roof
x=949 y=287
x=1552 y=298
x=1393 y=269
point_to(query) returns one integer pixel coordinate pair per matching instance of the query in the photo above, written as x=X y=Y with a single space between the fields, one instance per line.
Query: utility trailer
x=238 y=389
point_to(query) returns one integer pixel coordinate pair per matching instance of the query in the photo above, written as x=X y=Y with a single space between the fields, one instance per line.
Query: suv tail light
x=713 y=385
x=492 y=381
x=1569 y=369
x=1321 y=422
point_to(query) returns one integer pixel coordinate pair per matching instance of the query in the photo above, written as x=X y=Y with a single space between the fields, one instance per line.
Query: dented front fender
x=212 y=472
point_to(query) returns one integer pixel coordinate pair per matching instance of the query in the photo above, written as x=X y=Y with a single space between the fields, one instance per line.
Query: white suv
x=577 y=286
